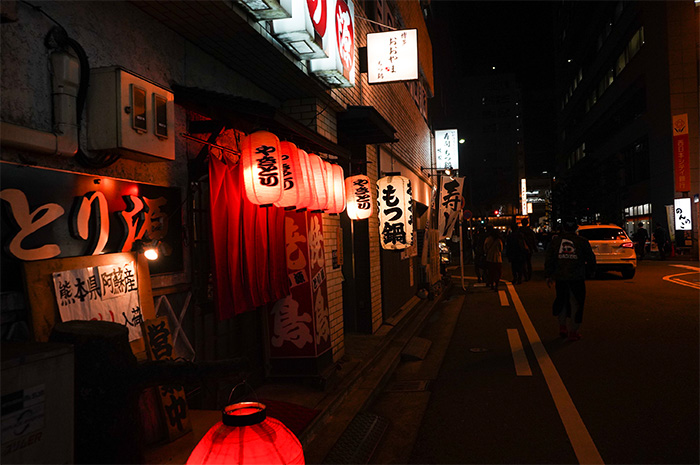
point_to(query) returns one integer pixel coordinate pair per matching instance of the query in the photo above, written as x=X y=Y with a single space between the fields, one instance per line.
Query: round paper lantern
x=295 y=181
x=359 y=198
x=336 y=203
x=395 y=204
x=261 y=168
x=319 y=188
x=247 y=436
x=308 y=180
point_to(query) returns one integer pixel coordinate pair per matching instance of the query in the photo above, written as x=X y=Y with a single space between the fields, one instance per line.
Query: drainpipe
x=64 y=140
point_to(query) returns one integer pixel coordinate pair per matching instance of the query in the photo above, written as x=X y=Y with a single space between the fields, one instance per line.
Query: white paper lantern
x=295 y=178
x=359 y=197
x=261 y=168
x=395 y=204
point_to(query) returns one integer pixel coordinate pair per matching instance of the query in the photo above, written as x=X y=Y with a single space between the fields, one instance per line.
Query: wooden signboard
x=42 y=299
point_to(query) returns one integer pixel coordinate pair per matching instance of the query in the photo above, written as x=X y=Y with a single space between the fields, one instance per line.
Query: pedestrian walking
x=493 y=248
x=531 y=242
x=569 y=259
x=516 y=251
x=479 y=257
x=661 y=239
x=640 y=240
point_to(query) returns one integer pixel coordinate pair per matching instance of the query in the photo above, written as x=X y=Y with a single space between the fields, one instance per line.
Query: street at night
x=627 y=392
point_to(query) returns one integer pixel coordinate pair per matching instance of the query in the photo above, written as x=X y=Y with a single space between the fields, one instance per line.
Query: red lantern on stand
x=296 y=182
x=319 y=188
x=337 y=193
x=359 y=197
x=261 y=168
x=247 y=436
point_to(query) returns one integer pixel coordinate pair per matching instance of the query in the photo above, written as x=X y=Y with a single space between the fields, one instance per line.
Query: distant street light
x=461 y=141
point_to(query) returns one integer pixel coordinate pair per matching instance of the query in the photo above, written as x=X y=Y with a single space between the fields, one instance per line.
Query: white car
x=613 y=249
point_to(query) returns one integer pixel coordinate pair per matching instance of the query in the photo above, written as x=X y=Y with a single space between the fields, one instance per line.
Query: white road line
x=522 y=367
x=694 y=268
x=581 y=440
x=673 y=278
x=504 y=298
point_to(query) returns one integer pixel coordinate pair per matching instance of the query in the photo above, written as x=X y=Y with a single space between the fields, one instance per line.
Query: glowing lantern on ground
x=319 y=188
x=395 y=204
x=296 y=182
x=359 y=198
x=247 y=436
x=261 y=168
x=336 y=203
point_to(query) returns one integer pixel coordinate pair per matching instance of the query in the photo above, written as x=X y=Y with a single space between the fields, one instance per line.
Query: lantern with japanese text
x=247 y=436
x=319 y=189
x=296 y=183
x=395 y=204
x=359 y=198
x=336 y=202
x=261 y=168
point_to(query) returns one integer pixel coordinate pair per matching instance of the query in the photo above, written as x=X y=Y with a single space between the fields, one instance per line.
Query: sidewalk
x=362 y=372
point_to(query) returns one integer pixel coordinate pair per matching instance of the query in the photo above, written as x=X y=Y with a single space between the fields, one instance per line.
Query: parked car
x=614 y=250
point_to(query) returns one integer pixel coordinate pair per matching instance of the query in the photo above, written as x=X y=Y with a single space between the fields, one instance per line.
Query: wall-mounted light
x=152 y=250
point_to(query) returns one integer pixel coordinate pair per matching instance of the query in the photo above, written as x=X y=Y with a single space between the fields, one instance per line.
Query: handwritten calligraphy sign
x=392 y=56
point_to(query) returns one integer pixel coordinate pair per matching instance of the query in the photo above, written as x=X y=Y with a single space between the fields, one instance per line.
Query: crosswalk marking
x=581 y=441
x=522 y=367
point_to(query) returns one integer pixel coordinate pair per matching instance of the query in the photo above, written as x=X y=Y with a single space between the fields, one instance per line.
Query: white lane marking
x=581 y=440
x=504 y=298
x=522 y=367
x=694 y=268
x=673 y=278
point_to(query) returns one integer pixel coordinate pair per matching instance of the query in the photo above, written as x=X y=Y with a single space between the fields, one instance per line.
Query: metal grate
x=359 y=440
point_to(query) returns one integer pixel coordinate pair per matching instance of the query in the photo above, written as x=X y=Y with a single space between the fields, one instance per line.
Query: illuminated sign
x=523 y=196
x=301 y=34
x=446 y=149
x=682 y=213
x=392 y=56
x=681 y=152
x=338 y=69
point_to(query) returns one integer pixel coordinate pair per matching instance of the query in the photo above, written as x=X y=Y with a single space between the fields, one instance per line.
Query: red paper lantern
x=261 y=168
x=319 y=188
x=359 y=197
x=337 y=194
x=308 y=181
x=296 y=181
x=247 y=436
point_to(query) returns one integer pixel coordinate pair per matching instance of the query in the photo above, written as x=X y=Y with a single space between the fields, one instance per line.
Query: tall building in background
x=626 y=71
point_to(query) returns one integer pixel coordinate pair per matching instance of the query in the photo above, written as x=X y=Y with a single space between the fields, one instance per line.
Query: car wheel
x=629 y=274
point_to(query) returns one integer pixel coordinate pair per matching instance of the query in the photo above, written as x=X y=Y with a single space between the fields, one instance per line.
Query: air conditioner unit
x=131 y=115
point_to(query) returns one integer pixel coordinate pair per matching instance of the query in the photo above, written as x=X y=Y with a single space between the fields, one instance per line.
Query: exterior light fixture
x=247 y=435
x=261 y=168
x=395 y=204
x=359 y=198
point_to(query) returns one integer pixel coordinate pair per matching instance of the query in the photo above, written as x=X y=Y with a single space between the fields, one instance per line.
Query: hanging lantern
x=319 y=189
x=261 y=168
x=295 y=181
x=395 y=203
x=336 y=203
x=307 y=184
x=247 y=436
x=359 y=199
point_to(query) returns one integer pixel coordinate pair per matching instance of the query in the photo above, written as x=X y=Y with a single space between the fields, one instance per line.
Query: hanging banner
x=681 y=153
x=446 y=149
x=450 y=203
x=395 y=204
x=299 y=324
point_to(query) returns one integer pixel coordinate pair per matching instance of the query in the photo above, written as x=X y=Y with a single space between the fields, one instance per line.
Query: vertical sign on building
x=523 y=196
x=392 y=56
x=681 y=152
x=682 y=214
x=338 y=70
x=451 y=201
x=446 y=149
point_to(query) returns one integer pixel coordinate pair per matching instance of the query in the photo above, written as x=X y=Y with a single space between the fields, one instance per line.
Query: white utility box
x=131 y=115
x=37 y=402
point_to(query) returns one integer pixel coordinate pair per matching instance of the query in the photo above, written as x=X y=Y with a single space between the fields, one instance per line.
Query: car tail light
x=627 y=245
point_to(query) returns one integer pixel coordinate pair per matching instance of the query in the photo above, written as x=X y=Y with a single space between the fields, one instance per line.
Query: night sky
x=471 y=37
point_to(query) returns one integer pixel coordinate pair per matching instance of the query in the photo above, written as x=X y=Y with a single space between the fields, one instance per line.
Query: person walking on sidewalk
x=569 y=259
x=531 y=241
x=516 y=251
x=640 y=240
x=661 y=240
x=493 y=248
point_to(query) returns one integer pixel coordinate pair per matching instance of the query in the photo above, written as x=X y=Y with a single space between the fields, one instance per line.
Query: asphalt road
x=626 y=393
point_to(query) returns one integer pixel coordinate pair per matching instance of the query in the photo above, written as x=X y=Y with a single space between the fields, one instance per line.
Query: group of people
x=489 y=248
x=659 y=237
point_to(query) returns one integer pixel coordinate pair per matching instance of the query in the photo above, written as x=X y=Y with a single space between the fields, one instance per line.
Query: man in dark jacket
x=531 y=241
x=568 y=261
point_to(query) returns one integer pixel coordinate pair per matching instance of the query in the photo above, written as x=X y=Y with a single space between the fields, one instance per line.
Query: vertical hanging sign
x=338 y=70
x=451 y=201
x=681 y=153
x=523 y=196
x=446 y=150
x=395 y=204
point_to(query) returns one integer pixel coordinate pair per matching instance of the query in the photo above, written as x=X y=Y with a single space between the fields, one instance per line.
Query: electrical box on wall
x=131 y=115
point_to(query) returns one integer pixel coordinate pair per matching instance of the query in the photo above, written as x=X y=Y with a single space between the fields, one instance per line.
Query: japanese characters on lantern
x=296 y=182
x=395 y=204
x=359 y=198
x=262 y=168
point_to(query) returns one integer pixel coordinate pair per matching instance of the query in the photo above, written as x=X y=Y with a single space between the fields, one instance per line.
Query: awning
x=248 y=115
x=364 y=125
